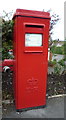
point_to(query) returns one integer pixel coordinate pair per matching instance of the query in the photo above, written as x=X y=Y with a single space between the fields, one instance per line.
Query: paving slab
x=54 y=109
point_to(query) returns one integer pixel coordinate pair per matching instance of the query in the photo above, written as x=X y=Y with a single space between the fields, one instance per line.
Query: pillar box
x=31 y=33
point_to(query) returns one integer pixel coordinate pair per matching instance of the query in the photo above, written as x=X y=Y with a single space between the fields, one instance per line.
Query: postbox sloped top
x=31 y=13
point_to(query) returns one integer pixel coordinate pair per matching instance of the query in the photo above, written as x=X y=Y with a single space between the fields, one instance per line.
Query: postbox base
x=30 y=108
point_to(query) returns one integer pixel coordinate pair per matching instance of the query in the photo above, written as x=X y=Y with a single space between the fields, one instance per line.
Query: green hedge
x=58 y=50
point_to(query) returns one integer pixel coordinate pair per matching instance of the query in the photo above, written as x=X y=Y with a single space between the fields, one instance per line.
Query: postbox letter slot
x=34 y=26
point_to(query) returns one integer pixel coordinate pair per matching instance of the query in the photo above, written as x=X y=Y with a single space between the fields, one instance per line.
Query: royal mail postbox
x=31 y=33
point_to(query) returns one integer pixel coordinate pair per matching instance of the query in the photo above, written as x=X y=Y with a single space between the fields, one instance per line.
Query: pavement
x=54 y=109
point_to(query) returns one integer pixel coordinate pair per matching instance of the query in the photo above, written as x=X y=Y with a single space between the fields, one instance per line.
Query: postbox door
x=32 y=62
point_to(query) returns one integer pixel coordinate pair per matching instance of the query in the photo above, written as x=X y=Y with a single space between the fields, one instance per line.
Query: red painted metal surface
x=7 y=62
x=30 y=66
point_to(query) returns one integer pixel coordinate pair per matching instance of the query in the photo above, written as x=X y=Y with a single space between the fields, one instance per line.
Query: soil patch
x=56 y=84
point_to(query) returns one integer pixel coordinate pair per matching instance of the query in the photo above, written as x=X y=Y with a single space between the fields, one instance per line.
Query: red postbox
x=31 y=33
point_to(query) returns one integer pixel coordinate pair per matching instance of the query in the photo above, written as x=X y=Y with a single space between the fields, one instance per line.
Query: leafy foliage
x=58 y=68
x=62 y=62
x=7 y=34
x=57 y=50
x=64 y=48
x=52 y=63
x=54 y=20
